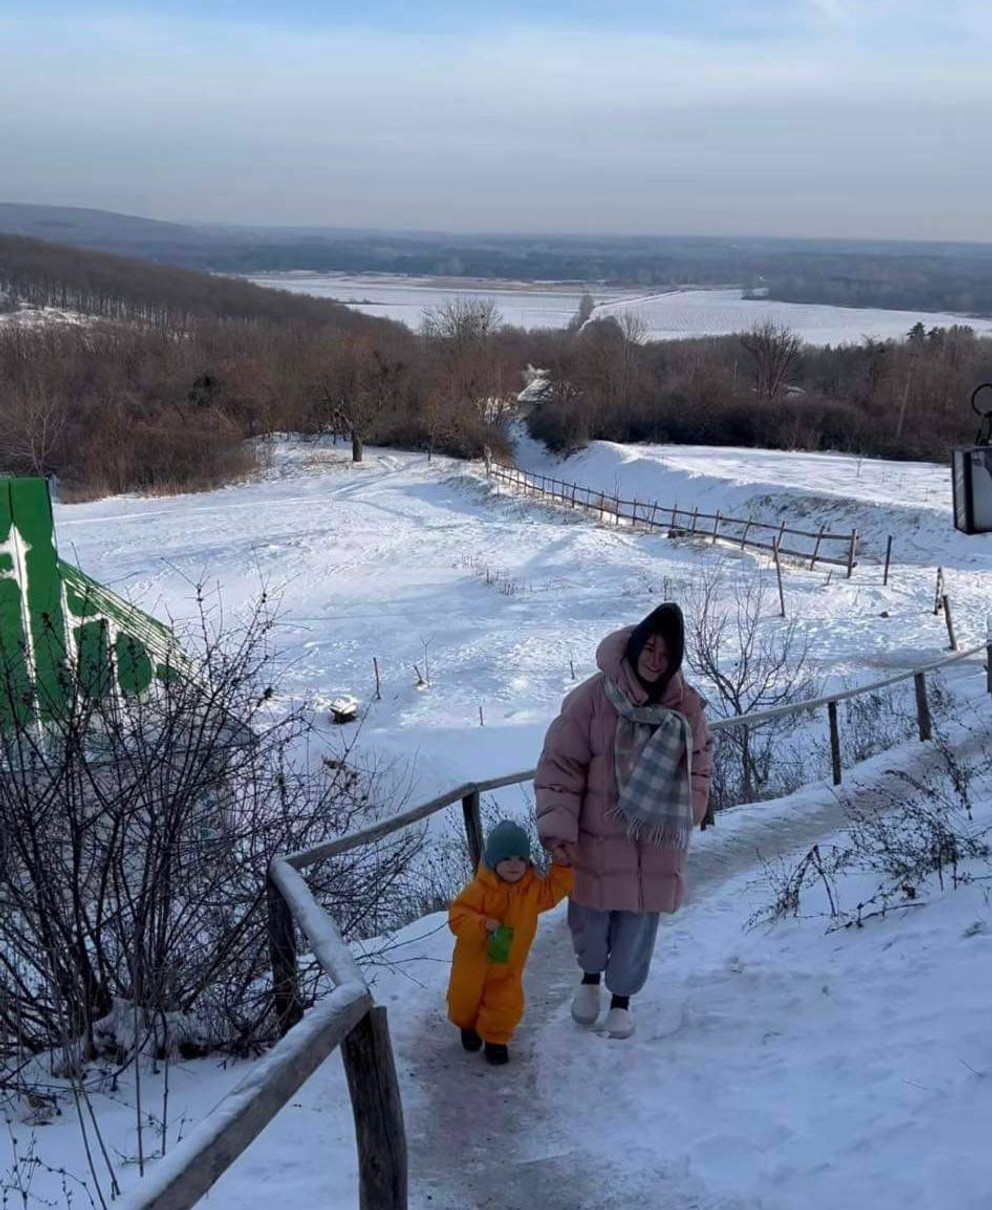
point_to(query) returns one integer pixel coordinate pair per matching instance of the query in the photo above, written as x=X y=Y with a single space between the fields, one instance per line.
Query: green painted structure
x=60 y=631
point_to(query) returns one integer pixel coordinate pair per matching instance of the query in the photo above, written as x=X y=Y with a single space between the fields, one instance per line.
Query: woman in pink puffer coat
x=623 y=778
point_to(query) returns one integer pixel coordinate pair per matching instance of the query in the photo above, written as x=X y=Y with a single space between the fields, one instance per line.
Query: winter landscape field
x=797 y=1063
x=674 y=314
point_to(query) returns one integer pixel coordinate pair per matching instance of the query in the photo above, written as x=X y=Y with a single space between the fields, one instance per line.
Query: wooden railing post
x=888 y=560
x=778 y=573
x=816 y=548
x=282 y=956
x=922 y=706
x=950 y=622
x=375 y=1101
x=835 y=743
x=988 y=655
x=852 y=553
x=471 y=806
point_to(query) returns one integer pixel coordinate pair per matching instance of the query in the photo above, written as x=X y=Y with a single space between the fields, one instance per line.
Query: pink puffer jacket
x=576 y=792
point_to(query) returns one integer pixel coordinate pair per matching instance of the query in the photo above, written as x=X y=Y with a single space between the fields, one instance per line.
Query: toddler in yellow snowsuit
x=494 y=920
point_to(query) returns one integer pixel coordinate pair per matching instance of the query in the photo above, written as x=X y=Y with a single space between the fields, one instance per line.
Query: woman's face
x=652 y=663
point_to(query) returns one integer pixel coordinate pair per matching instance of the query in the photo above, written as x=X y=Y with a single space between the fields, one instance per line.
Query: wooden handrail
x=187 y=1172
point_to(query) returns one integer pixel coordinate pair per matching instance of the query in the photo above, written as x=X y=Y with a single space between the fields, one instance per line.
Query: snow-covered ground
x=420 y=564
x=543 y=305
x=668 y=315
x=771 y=1069
x=40 y=317
x=792 y=1065
x=911 y=501
x=721 y=312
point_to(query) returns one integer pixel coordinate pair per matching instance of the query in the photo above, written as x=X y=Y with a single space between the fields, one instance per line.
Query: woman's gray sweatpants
x=619 y=943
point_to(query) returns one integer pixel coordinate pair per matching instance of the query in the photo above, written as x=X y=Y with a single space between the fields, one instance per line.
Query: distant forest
x=901 y=275
x=175 y=378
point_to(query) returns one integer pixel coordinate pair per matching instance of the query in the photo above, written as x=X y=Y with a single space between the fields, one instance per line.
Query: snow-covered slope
x=909 y=500
x=771 y=1069
x=788 y=1066
x=419 y=563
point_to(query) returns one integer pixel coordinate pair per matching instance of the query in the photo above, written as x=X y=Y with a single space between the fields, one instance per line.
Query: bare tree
x=583 y=313
x=775 y=352
x=357 y=384
x=753 y=662
x=32 y=424
x=459 y=337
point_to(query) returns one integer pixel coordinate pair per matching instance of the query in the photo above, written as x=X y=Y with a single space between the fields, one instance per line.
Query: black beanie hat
x=667 y=621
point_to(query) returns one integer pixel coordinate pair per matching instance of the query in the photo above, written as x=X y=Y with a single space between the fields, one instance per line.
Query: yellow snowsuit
x=486 y=996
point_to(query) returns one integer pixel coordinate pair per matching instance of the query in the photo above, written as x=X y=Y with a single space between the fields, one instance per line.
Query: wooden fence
x=348 y=1018
x=820 y=546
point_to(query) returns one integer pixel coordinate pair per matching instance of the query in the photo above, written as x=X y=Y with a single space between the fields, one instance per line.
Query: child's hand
x=492 y=926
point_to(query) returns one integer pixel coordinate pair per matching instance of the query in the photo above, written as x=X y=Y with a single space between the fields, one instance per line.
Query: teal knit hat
x=505 y=841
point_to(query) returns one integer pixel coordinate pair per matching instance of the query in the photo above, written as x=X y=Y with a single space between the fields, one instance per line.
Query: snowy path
x=516 y=1138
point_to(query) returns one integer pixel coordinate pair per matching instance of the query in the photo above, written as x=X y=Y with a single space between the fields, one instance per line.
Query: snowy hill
x=782 y=1067
x=401 y=559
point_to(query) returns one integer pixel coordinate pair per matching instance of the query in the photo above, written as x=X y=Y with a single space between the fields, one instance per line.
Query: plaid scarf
x=653 y=761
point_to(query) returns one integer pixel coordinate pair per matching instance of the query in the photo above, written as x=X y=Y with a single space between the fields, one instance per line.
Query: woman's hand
x=561 y=852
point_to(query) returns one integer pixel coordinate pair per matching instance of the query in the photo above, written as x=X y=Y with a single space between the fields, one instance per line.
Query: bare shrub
x=752 y=662
x=916 y=832
x=136 y=832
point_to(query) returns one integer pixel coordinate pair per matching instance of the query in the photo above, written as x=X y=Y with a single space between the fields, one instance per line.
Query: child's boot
x=471 y=1041
x=497 y=1054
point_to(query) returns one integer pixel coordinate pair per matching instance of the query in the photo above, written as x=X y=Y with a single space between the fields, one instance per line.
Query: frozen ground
x=771 y=1069
x=667 y=315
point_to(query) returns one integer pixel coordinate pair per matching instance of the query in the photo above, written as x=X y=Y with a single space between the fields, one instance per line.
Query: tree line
x=177 y=374
x=765 y=388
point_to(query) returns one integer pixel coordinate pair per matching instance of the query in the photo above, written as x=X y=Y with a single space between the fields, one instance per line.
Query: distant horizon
x=814 y=119
x=480 y=233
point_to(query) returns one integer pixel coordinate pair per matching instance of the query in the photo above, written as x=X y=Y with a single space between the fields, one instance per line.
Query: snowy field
x=777 y=1068
x=407 y=298
x=667 y=316
x=422 y=564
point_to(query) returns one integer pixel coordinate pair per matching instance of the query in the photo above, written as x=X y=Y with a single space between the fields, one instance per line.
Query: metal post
x=851 y=553
x=922 y=706
x=471 y=806
x=835 y=742
x=282 y=956
x=888 y=560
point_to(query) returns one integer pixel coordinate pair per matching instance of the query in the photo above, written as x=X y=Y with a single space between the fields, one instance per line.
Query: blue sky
x=799 y=117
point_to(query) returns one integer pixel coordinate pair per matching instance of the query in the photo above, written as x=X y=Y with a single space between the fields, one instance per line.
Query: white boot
x=619 y=1023
x=586 y=1004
